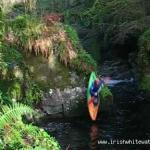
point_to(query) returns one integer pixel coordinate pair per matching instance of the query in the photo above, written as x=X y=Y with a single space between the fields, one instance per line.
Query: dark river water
x=128 y=120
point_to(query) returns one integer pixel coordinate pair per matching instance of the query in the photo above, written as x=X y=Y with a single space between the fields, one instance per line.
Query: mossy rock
x=23 y=136
x=15 y=91
x=46 y=76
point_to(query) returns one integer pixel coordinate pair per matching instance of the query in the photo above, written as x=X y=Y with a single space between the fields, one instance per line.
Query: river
x=128 y=120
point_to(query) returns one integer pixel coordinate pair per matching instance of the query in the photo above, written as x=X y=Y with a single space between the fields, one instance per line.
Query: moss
x=72 y=34
x=33 y=94
x=9 y=58
x=4 y=98
x=46 y=77
x=14 y=134
x=84 y=63
x=15 y=91
x=4 y=84
x=21 y=136
x=25 y=29
x=145 y=82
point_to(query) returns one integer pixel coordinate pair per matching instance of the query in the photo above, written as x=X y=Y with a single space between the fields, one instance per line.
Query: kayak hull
x=93 y=109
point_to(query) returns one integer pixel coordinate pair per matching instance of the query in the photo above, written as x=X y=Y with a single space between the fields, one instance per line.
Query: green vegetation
x=13 y=75
x=121 y=26
x=7 y=5
x=101 y=11
x=25 y=29
x=119 y=20
x=14 y=91
x=23 y=34
x=124 y=29
x=16 y=86
x=119 y=23
x=27 y=137
x=145 y=82
x=72 y=34
x=14 y=134
x=84 y=63
x=106 y=93
x=33 y=94
x=11 y=114
x=144 y=48
x=144 y=60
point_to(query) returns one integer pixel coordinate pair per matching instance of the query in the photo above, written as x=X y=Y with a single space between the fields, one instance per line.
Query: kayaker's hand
x=95 y=94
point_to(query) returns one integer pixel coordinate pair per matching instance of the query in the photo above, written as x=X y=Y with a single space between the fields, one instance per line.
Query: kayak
x=93 y=109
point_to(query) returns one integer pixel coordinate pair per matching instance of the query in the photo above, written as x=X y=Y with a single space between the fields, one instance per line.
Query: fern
x=13 y=113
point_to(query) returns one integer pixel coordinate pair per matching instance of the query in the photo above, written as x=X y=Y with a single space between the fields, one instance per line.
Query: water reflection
x=94 y=134
x=130 y=120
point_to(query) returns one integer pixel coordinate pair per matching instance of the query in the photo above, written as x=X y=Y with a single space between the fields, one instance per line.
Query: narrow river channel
x=128 y=120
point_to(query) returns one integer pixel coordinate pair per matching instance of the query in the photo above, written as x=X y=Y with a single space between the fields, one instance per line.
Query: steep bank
x=35 y=55
x=49 y=58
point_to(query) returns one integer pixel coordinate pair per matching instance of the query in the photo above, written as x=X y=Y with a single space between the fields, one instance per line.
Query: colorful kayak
x=93 y=110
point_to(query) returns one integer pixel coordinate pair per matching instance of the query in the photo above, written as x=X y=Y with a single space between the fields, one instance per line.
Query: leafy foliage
x=120 y=22
x=10 y=60
x=14 y=134
x=10 y=54
x=114 y=11
x=33 y=95
x=21 y=136
x=27 y=4
x=72 y=34
x=105 y=92
x=144 y=49
x=26 y=28
x=2 y=25
x=28 y=33
x=66 y=52
x=84 y=63
x=15 y=91
x=145 y=82
x=4 y=99
x=10 y=114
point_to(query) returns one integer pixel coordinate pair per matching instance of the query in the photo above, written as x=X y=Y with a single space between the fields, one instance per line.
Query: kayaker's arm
x=92 y=92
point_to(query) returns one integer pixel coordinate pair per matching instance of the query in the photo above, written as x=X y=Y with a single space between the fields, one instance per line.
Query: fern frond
x=13 y=113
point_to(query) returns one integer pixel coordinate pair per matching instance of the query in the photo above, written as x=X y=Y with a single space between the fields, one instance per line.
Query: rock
x=51 y=74
x=70 y=102
x=116 y=69
x=35 y=117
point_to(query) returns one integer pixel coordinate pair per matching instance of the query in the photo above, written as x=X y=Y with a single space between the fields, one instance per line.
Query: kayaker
x=95 y=89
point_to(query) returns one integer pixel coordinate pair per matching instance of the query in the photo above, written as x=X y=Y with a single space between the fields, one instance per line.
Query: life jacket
x=96 y=88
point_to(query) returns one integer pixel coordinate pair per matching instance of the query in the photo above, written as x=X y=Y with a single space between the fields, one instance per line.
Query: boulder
x=70 y=102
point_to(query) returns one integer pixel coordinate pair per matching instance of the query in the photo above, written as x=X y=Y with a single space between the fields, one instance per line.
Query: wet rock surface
x=117 y=70
x=70 y=102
